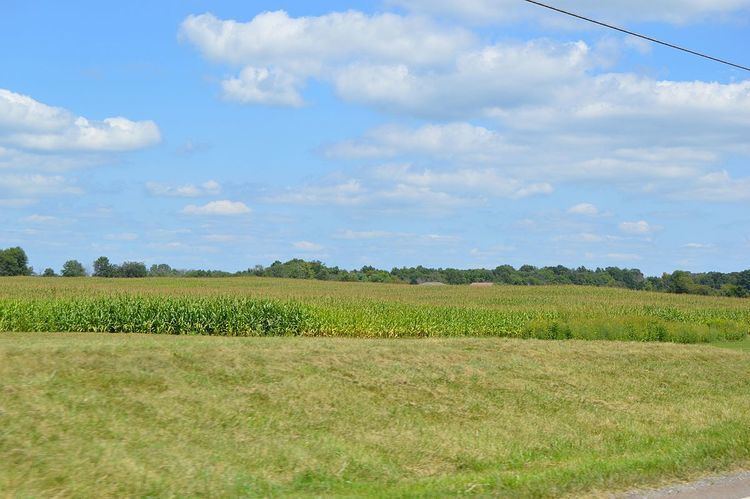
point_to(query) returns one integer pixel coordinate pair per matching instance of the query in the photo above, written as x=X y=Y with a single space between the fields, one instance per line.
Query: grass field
x=278 y=307
x=472 y=407
x=142 y=415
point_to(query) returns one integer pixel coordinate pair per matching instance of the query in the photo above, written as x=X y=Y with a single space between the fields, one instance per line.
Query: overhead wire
x=638 y=35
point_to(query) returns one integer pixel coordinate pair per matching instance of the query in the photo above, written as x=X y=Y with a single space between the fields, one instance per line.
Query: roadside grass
x=144 y=415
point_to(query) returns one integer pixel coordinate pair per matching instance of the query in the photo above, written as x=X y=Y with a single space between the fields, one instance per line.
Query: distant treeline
x=13 y=261
x=709 y=283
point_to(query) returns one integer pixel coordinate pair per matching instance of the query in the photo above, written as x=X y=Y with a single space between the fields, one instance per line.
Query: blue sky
x=226 y=134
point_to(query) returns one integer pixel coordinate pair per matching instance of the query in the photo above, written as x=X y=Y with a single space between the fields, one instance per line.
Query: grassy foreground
x=280 y=307
x=135 y=415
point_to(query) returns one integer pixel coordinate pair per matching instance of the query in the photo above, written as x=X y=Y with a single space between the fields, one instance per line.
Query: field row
x=242 y=316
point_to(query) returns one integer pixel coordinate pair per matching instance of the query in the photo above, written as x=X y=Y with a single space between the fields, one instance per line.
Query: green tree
x=73 y=268
x=48 y=272
x=743 y=280
x=680 y=282
x=160 y=270
x=13 y=261
x=132 y=269
x=102 y=267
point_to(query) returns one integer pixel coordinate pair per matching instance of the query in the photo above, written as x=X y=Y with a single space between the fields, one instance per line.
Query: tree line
x=13 y=261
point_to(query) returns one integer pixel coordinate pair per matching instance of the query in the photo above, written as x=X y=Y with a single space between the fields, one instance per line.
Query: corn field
x=277 y=307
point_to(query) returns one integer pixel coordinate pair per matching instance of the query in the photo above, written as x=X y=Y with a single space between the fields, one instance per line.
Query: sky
x=226 y=134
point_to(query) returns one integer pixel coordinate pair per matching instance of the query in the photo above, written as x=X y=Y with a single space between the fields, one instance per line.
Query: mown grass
x=277 y=307
x=743 y=345
x=101 y=415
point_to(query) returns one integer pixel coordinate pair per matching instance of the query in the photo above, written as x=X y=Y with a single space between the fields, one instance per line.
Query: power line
x=632 y=33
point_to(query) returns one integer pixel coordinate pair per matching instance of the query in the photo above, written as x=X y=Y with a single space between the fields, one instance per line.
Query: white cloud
x=279 y=53
x=407 y=65
x=219 y=208
x=487 y=181
x=40 y=219
x=402 y=186
x=496 y=251
x=587 y=209
x=670 y=11
x=349 y=192
x=643 y=134
x=453 y=141
x=28 y=124
x=717 y=187
x=220 y=238
x=208 y=188
x=498 y=76
x=698 y=246
x=121 y=236
x=306 y=41
x=583 y=237
x=624 y=257
x=589 y=155
x=273 y=87
x=403 y=236
x=640 y=227
x=36 y=185
x=307 y=246
x=16 y=202
x=367 y=234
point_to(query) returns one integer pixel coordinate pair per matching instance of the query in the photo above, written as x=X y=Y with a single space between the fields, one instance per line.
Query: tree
x=160 y=270
x=48 y=272
x=13 y=261
x=132 y=269
x=102 y=267
x=743 y=280
x=680 y=282
x=73 y=268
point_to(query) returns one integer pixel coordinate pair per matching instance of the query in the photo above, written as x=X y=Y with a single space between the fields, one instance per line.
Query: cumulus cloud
x=306 y=41
x=401 y=186
x=349 y=192
x=645 y=134
x=33 y=185
x=674 y=165
x=640 y=227
x=264 y=86
x=623 y=107
x=208 y=188
x=28 y=124
x=717 y=187
x=624 y=257
x=307 y=246
x=458 y=141
x=390 y=235
x=584 y=209
x=279 y=53
x=40 y=219
x=121 y=236
x=587 y=237
x=498 y=76
x=669 y=11
x=473 y=180
x=218 y=208
x=36 y=137
x=407 y=65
